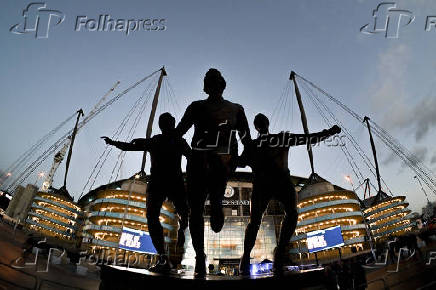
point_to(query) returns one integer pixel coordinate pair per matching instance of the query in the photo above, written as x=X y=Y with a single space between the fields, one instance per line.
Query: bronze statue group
x=210 y=163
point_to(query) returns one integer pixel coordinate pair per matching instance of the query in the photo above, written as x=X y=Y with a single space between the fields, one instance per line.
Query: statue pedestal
x=114 y=277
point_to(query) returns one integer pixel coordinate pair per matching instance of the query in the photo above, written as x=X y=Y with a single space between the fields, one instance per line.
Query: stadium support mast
x=374 y=152
x=303 y=118
x=59 y=157
x=152 y=115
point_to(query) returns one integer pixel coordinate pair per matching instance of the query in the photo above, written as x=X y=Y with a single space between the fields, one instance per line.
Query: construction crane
x=59 y=157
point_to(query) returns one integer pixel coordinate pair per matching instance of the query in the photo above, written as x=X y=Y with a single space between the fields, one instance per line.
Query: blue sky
x=254 y=43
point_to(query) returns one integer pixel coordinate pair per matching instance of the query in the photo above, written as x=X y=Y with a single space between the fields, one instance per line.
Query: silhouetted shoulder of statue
x=267 y=155
x=166 y=181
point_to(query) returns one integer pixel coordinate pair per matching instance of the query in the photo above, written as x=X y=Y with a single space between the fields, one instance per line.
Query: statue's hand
x=108 y=140
x=335 y=129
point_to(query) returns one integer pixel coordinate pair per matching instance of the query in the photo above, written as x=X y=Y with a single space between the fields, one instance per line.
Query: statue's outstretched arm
x=134 y=145
x=313 y=138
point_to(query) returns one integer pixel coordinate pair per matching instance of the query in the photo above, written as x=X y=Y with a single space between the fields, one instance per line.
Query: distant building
x=387 y=215
x=21 y=202
x=96 y=221
x=321 y=205
x=224 y=249
x=123 y=203
x=54 y=213
x=120 y=204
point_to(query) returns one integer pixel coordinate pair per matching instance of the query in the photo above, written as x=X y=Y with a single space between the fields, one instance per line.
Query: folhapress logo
x=38 y=20
x=388 y=19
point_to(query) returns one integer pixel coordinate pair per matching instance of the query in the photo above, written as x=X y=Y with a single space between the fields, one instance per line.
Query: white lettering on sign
x=129 y=240
x=235 y=202
x=316 y=242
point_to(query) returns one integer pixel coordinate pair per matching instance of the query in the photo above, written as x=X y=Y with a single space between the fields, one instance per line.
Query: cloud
x=424 y=117
x=418 y=6
x=433 y=159
x=389 y=95
x=391 y=158
x=420 y=153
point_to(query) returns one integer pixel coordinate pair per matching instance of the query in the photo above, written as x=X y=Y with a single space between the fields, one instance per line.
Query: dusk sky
x=255 y=44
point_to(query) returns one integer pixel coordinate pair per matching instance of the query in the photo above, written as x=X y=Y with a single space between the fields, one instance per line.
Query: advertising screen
x=324 y=239
x=136 y=241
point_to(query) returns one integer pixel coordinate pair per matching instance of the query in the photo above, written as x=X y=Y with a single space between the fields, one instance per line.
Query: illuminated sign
x=235 y=202
x=227 y=202
x=324 y=239
x=136 y=241
x=261 y=268
x=229 y=191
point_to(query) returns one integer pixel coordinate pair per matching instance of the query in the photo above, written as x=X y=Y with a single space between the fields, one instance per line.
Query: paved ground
x=411 y=274
x=59 y=277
